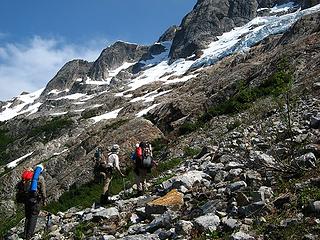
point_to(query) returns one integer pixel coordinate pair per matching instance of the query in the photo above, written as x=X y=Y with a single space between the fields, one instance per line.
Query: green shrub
x=8 y=223
x=169 y=164
x=233 y=125
x=84 y=196
x=190 y=152
x=51 y=128
x=189 y=127
x=5 y=140
x=159 y=146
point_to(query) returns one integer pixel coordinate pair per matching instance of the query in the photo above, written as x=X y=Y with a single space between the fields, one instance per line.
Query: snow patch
x=72 y=96
x=108 y=115
x=14 y=163
x=58 y=114
x=59 y=153
x=145 y=111
x=27 y=99
x=283 y=7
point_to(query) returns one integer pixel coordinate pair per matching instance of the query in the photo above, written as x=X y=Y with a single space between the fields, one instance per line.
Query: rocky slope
x=253 y=109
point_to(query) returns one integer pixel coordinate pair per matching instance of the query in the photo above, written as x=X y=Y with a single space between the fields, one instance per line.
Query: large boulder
x=187 y=180
x=172 y=200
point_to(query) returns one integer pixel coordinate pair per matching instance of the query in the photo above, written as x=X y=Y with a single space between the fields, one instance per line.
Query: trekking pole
x=124 y=187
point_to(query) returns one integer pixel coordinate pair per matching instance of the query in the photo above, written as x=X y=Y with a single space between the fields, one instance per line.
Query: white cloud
x=30 y=66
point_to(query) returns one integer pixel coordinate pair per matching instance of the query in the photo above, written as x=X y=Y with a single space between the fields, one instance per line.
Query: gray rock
x=184 y=227
x=260 y=159
x=254 y=208
x=310 y=237
x=308 y=160
x=220 y=176
x=212 y=168
x=234 y=173
x=137 y=228
x=237 y=185
x=164 y=234
x=142 y=237
x=187 y=180
x=108 y=237
x=7 y=208
x=208 y=222
x=233 y=165
x=109 y=213
x=163 y=221
x=241 y=236
x=267 y=192
x=230 y=223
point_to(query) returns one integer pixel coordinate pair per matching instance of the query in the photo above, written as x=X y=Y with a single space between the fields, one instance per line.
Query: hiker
x=143 y=165
x=107 y=166
x=32 y=193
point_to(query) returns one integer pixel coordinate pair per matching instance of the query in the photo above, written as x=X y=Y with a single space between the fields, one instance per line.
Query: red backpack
x=24 y=186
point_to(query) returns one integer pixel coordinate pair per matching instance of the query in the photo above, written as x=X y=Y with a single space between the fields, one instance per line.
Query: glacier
x=255 y=31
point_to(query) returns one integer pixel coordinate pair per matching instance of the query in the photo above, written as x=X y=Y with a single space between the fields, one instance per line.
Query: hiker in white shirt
x=107 y=166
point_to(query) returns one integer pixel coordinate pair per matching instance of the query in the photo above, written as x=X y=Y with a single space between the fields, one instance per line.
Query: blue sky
x=37 y=37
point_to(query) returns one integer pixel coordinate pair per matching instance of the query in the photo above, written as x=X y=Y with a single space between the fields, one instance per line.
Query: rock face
x=304 y=27
x=169 y=34
x=113 y=57
x=67 y=76
x=208 y=19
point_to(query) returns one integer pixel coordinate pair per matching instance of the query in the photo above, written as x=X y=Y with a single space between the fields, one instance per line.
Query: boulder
x=187 y=180
x=184 y=227
x=208 y=222
x=237 y=185
x=172 y=200
x=308 y=160
x=109 y=213
x=241 y=236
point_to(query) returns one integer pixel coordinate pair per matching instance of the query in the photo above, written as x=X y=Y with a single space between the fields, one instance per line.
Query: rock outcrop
x=209 y=19
x=113 y=57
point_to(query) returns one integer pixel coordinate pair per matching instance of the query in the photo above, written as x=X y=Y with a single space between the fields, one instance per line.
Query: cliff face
x=113 y=57
x=209 y=19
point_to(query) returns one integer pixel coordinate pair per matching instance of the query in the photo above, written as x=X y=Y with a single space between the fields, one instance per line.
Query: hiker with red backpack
x=32 y=193
x=143 y=164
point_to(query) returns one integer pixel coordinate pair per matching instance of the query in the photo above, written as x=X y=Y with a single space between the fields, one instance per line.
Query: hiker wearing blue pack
x=32 y=193
x=107 y=167
x=143 y=165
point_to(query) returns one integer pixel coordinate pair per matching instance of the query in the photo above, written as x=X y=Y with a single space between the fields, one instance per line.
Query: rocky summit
x=229 y=101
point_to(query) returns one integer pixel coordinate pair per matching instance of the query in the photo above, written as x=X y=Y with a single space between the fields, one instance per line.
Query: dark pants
x=32 y=209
